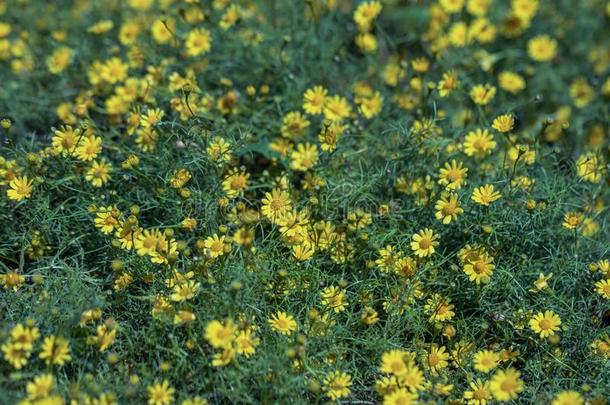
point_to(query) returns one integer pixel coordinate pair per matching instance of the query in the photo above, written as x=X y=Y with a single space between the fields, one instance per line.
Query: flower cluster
x=251 y=201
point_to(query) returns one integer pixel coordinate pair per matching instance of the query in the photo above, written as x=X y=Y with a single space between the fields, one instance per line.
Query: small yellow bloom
x=20 y=188
x=545 y=324
x=314 y=99
x=424 y=242
x=337 y=384
x=506 y=384
x=602 y=287
x=485 y=361
x=542 y=48
x=55 y=350
x=283 y=323
x=503 y=123
x=485 y=195
x=482 y=94
x=160 y=393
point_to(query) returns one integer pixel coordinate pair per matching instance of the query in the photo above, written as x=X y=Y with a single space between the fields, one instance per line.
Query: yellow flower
x=366 y=13
x=524 y=9
x=198 y=41
x=105 y=335
x=20 y=188
x=15 y=354
x=436 y=359
x=503 y=123
x=483 y=31
x=146 y=242
x=336 y=108
x=25 y=336
x=479 y=268
x=485 y=195
x=128 y=33
x=89 y=148
x=482 y=94
x=478 y=7
x=283 y=323
x=276 y=204
x=12 y=280
x=114 y=70
x=458 y=34
x=99 y=173
x=55 y=350
x=160 y=393
x=545 y=324
x=393 y=73
x=448 y=83
x=59 y=60
x=400 y=396
x=452 y=6
x=542 y=48
x=452 y=175
x=235 y=183
x=151 y=118
x=65 y=139
x=448 y=208
x=581 y=92
x=387 y=259
x=183 y=317
x=185 y=291
x=572 y=219
x=590 y=168
x=424 y=242
x=162 y=30
x=420 y=64
x=329 y=136
x=334 y=298
x=601 y=346
x=303 y=251
x=371 y=106
x=219 y=335
x=602 y=287
x=304 y=158
x=40 y=387
x=485 y=361
x=146 y=139
x=141 y=5
x=219 y=150
x=294 y=124
x=589 y=227
x=506 y=384
x=314 y=100
x=337 y=384
x=511 y=82
x=215 y=246
x=244 y=236
x=367 y=42
x=568 y=398
x=479 y=143
x=5 y=29
x=541 y=282
x=246 y=342
x=439 y=308
x=479 y=393
x=230 y=17
x=224 y=357
x=107 y=219
x=396 y=362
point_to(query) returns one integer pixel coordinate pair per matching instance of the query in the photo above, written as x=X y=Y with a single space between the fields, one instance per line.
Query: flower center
x=545 y=324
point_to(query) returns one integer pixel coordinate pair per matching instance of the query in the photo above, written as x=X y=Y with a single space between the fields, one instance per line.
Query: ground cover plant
x=214 y=201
